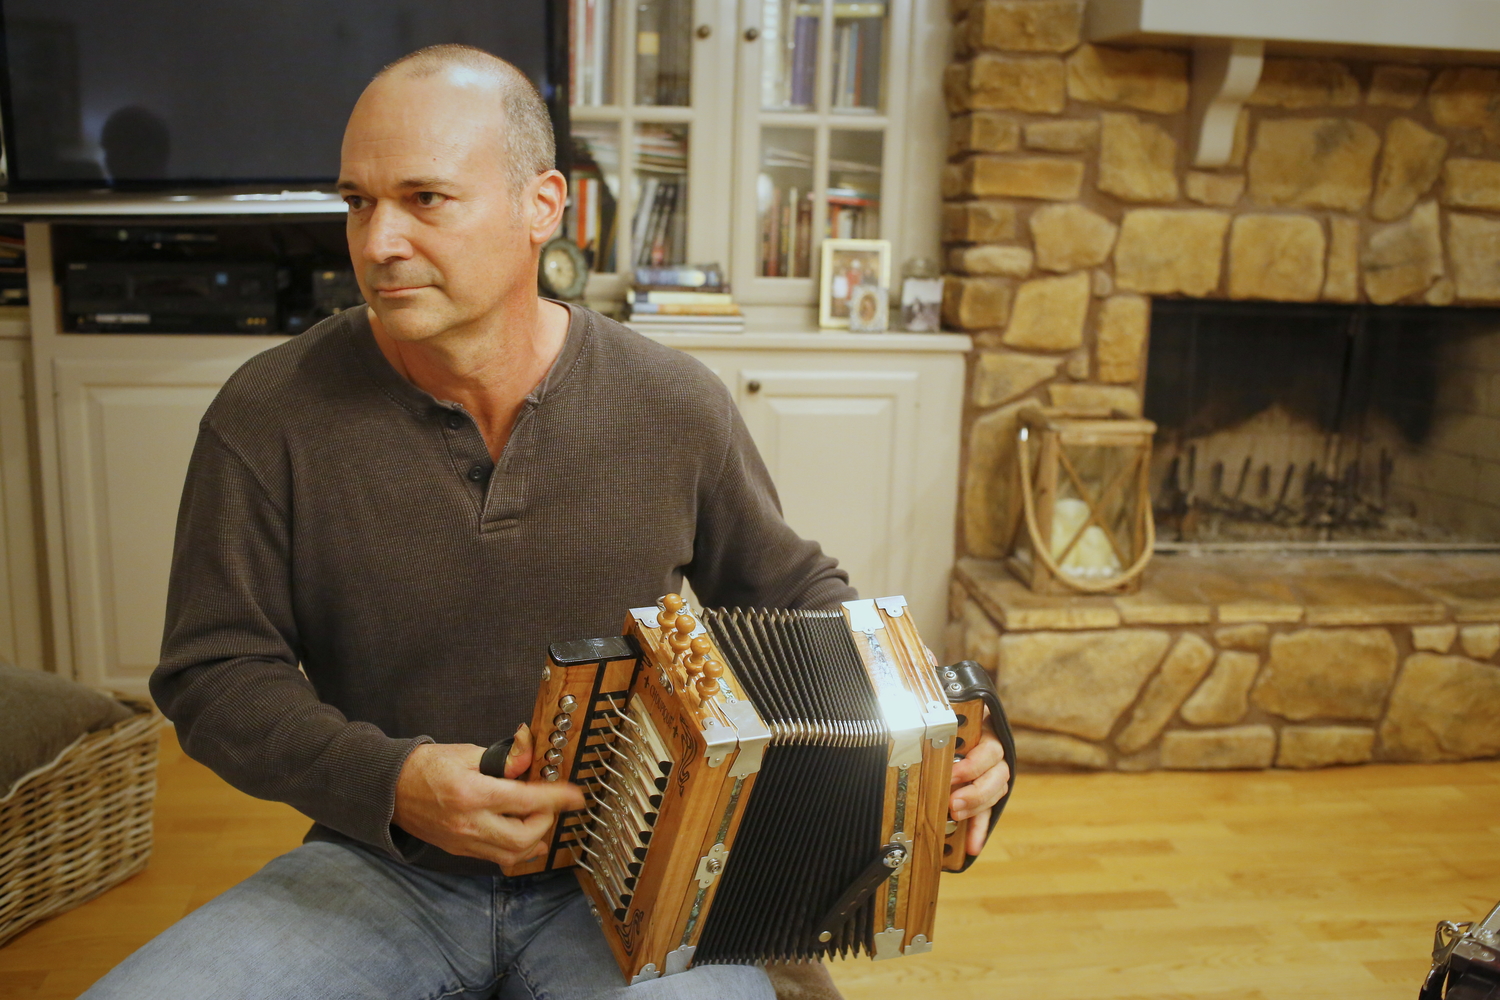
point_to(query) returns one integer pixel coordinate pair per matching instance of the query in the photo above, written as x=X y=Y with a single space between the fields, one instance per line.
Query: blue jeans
x=328 y=921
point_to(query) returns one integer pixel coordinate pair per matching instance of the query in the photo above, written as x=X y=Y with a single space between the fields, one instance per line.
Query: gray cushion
x=40 y=714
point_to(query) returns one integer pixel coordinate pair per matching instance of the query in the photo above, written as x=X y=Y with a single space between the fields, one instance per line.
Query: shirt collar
x=409 y=396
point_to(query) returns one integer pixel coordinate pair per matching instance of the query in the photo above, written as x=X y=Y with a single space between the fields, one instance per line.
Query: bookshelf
x=744 y=132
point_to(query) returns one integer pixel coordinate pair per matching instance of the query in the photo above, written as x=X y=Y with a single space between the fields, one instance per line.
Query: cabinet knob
x=752 y=386
x=704 y=30
x=751 y=34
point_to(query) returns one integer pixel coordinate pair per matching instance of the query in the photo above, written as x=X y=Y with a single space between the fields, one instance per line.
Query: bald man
x=384 y=523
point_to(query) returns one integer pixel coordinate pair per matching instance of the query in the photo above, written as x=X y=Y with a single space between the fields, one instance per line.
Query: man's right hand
x=443 y=799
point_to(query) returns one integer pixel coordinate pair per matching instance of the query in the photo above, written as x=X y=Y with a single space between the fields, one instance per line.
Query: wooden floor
x=1242 y=886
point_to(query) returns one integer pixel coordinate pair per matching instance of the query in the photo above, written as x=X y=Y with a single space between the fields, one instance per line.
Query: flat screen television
x=182 y=94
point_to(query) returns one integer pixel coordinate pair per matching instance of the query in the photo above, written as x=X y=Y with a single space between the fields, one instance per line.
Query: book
x=804 y=68
x=684 y=298
x=685 y=309
x=649 y=328
x=702 y=277
x=671 y=319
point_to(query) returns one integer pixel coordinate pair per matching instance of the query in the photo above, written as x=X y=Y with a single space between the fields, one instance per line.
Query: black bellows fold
x=813 y=821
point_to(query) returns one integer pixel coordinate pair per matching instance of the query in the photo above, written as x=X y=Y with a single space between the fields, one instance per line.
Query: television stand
x=105 y=205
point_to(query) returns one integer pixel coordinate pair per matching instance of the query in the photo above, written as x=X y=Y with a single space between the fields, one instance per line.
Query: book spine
x=804 y=61
x=788 y=231
x=685 y=309
x=640 y=224
x=803 y=264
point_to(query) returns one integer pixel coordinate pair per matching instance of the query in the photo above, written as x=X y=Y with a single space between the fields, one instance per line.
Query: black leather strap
x=971 y=681
x=493 y=761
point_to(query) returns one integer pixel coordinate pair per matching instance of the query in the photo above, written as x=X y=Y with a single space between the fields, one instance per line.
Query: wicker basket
x=79 y=825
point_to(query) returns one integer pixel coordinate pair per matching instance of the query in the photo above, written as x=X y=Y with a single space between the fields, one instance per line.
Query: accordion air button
x=554 y=755
x=567 y=703
x=563 y=722
x=558 y=739
x=550 y=773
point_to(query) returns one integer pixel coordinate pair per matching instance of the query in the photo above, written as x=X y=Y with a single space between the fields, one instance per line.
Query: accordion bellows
x=762 y=786
x=814 y=820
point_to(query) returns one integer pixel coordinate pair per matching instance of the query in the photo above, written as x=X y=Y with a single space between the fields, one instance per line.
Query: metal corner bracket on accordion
x=762 y=786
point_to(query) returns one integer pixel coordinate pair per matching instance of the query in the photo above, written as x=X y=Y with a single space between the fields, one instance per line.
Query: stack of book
x=660 y=225
x=857 y=51
x=12 y=265
x=785 y=192
x=683 y=300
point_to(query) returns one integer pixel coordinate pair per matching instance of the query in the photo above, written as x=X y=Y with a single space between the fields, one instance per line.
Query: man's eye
x=354 y=201
x=428 y=198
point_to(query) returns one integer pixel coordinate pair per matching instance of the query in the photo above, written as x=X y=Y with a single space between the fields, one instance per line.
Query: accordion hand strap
x=975 y=682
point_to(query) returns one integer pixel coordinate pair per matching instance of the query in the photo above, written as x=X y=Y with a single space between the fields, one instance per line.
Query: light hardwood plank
x=1162 y=886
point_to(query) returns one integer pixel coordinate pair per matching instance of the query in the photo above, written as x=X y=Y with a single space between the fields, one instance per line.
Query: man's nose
x=385 y=237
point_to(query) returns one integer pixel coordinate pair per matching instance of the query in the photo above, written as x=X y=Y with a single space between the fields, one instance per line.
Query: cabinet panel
x=20 y=580
x=127 y=432
x=840 y=448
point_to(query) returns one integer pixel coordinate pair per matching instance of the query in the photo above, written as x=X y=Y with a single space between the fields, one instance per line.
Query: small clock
x=562 y=271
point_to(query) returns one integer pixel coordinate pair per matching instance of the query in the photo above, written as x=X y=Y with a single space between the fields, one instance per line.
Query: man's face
x=438 y=238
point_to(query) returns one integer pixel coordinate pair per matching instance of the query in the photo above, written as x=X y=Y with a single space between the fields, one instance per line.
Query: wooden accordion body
x=763 y=786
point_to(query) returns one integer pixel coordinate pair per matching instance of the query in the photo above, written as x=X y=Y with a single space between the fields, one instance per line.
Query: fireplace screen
x=1359 y=424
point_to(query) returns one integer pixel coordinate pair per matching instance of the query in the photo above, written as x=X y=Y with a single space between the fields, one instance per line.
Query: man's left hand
x=979 y=781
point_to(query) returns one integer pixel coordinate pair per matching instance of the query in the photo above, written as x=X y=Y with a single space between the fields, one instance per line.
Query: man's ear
x=547 y=198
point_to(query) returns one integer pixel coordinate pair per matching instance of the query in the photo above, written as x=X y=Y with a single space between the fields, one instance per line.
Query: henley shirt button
x=476 y=473
x=455 y=421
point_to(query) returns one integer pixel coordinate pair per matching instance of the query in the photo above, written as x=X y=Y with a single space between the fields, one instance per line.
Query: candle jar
x=1086 y=501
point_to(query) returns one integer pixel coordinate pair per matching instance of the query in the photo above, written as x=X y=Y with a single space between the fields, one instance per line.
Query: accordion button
x=558 y=740
x=563 y=722
x=567 y=703
x=550 y=773
x=553 y=755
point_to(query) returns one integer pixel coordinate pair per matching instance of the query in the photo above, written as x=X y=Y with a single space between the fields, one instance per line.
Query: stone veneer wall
x=1249 y=695
x=1069 y=200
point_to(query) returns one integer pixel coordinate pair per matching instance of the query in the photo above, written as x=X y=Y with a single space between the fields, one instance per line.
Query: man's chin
x=406 y=320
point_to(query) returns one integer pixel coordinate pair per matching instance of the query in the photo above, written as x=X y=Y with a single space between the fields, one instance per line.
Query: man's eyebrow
x=409 y=184
x=412 y=183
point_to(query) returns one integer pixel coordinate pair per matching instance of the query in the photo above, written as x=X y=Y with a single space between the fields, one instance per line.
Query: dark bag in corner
x=1465 y=961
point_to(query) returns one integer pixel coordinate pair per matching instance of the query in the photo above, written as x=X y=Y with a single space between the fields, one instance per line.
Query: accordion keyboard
x=624 y=777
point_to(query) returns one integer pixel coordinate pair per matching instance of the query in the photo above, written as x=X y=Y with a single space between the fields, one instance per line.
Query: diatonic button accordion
x=762 y=786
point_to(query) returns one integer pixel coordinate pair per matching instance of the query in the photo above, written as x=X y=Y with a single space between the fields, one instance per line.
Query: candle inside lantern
x=1093 y=557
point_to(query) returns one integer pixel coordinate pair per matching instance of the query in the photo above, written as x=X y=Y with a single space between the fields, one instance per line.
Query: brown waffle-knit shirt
x=339 y=517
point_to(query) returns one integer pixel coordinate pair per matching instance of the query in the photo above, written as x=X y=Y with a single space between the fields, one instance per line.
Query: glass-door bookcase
x=650 y=108
x=821 y=105
x=744 y=132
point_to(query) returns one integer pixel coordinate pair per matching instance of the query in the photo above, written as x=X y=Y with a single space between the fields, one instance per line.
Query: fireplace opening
x=1331 y=426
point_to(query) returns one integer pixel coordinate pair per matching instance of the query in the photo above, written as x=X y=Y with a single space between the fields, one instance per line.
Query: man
x=409 y=502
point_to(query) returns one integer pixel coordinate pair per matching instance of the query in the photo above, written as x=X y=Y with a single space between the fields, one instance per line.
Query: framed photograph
x=869 y=309
x=848 y=264
x=921 y=304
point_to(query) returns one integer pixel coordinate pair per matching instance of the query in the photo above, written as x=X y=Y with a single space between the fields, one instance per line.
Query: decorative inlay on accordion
x=762 y=786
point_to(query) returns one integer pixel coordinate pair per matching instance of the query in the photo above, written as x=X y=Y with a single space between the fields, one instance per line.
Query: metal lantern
x=1086 y=498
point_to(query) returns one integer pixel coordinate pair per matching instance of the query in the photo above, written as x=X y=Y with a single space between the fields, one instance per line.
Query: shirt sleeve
x=744 y=553
x=229 y=676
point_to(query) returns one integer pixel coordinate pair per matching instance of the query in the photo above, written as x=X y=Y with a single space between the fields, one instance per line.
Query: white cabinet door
x=20 y=582
x=126 y=432
x=840 y=446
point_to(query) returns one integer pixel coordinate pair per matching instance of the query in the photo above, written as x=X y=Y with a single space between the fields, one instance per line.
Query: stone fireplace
x=1328 y=498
